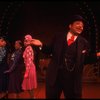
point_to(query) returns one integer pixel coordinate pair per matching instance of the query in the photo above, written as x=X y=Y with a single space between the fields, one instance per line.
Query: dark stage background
x=43 y=19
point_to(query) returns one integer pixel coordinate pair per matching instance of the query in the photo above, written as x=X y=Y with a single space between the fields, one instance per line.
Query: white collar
x=69 y=36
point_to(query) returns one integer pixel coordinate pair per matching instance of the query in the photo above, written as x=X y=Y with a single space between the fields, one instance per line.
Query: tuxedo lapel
x=80 y=55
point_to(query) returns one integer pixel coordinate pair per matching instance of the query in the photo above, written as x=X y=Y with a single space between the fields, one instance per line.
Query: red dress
x=29 y=82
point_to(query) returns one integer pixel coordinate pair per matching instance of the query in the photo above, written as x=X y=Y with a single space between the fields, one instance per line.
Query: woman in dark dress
x=16 y=70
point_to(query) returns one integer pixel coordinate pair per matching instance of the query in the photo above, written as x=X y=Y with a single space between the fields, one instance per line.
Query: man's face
x=76 y=27
x=2 y=43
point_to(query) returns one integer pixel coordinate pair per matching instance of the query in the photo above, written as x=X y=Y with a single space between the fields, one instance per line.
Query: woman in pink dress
x=30 y=79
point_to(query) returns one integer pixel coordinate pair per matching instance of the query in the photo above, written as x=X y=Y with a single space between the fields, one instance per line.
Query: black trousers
x=66 y=83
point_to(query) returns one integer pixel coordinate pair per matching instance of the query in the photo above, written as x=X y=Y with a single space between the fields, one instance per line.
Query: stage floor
x=90 y=90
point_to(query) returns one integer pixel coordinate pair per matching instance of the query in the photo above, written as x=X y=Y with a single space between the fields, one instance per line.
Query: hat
x=28 y=37
x=76 y=18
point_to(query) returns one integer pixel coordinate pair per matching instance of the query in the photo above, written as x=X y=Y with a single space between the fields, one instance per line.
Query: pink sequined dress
x=29 y=82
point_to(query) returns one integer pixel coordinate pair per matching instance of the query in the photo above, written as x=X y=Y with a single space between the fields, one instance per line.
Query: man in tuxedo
x=69 y=51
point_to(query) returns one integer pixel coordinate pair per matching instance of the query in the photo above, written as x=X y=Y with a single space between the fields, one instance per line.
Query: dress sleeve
x=18 y=54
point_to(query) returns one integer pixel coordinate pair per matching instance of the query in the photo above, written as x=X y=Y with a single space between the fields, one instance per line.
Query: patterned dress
x=30 y=82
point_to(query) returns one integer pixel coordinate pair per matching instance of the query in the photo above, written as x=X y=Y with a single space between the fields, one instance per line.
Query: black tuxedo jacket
x=57 y=50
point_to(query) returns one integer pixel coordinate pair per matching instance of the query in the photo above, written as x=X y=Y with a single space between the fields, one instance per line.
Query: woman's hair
x=28 y=37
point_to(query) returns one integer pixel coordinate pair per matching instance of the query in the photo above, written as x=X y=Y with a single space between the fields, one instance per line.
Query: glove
x=7 y=72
